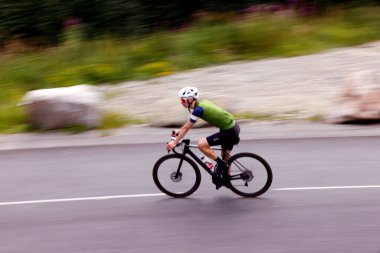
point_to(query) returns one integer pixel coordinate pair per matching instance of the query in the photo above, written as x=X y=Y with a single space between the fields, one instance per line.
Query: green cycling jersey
x=212 y=114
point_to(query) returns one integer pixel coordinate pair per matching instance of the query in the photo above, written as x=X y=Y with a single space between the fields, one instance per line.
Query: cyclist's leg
x=204 y=145
x=229 y=139
x=206 y=149
x=214 y=140
x=226 y=154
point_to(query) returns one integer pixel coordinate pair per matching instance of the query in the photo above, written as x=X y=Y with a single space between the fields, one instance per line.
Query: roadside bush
x=12 y=119
x=89 y=74
x=155 y=69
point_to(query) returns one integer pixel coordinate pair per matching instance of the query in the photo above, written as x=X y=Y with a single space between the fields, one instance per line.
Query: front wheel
x=250 y=175
x=176 y=175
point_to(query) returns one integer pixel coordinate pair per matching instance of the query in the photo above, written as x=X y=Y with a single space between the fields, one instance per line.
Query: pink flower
x=73 y=21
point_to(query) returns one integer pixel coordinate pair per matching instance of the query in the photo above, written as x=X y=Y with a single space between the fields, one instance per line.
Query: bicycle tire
x=189 y=166
x=254 y=166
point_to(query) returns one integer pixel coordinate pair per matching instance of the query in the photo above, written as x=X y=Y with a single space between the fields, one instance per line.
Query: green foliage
x=76 y=129
x=152 y=48
x=258 y=37
x=89 y=74
x=155 y=69
x=115 y=120
x=12 y=119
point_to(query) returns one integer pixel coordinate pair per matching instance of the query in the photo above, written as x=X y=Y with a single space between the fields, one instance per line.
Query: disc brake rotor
x=176 y=177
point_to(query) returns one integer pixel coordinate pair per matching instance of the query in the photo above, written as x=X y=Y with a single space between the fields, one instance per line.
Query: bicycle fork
x=178 y=173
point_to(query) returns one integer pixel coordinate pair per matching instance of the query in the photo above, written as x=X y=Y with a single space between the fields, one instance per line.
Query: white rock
x=359 y=99
x=62 y=107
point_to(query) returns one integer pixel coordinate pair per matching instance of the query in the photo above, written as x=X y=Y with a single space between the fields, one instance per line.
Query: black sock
x=219 y=161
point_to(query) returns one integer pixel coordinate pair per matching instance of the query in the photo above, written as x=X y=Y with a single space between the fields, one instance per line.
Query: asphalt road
x=325 y=197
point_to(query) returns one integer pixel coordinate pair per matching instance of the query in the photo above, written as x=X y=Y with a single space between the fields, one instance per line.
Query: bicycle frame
x=186 y=150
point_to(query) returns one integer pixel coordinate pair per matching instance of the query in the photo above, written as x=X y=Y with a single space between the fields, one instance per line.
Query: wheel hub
x=176 y=177
x=247 y=176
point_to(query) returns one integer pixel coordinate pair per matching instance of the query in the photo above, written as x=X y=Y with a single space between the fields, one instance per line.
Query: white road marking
x=327 y=187
x=79 y=199
x=162 y=194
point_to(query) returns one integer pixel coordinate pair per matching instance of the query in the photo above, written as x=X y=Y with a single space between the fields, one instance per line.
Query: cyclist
x=227 y=137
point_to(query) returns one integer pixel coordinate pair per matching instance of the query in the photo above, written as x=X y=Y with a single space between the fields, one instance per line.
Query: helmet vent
x=189 y=92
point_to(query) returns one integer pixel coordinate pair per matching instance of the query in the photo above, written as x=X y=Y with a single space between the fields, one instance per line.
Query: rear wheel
x=176 y=175
x=250 y=175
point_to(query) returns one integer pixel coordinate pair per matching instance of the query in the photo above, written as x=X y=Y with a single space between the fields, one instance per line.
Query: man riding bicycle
x=227 y=136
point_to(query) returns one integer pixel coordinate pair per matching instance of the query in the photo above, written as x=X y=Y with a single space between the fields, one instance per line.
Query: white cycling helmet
x=189 y=92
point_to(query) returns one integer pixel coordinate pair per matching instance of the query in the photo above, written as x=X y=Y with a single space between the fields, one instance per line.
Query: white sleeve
x=193 y=118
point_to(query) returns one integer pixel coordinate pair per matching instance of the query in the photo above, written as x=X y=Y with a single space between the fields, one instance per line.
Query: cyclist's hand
x=175 y=133
x=170 y=145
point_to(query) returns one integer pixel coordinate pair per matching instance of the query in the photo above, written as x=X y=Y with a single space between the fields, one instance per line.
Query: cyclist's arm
x=182 y=132
x=198 y=112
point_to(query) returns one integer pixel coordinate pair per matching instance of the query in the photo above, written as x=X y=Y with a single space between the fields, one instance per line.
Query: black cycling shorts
x=227 y=138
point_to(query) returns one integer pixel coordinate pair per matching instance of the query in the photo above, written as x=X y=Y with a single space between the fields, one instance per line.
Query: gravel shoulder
x=294 y=88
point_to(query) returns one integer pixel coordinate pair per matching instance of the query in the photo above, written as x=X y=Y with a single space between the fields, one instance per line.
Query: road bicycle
x=178 y=175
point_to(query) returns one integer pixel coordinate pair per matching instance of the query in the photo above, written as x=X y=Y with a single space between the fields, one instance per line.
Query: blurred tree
x=45 y=19
x=167 y=13
x=37 y=19
x=226 y=5
x=117 y=17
